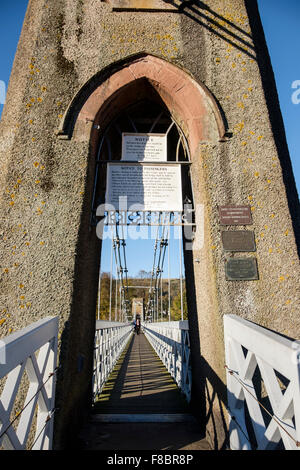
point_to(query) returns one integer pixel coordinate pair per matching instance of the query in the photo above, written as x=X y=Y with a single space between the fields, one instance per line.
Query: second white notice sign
x=150 y=187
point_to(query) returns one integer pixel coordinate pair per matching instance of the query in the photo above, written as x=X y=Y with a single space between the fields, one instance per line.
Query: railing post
x=110 y=340
x=168 y=340
x=239 y=440
x=251 y=349
x=21 y=350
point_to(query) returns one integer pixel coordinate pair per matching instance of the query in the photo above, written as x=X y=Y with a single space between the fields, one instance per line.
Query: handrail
x=101 y=324
x=259 y=359
x=171 y=342
x=178 y=325
x=32 y=350
x=110 y=340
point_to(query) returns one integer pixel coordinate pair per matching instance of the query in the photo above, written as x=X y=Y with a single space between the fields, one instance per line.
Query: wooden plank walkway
x=141 y=406
x=140 y=383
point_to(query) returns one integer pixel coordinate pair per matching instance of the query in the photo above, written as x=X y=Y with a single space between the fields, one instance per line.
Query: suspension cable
x=119 y=252
x=48 y=418
x=99 y=291
x=180 y=274
x=29 y=401
x=111 y=269
x=157 y=269
x=169 y=285
x=232 y=373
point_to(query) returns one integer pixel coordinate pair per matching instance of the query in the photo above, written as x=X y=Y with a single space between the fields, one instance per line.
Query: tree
x=108 y=294
x=176 y=307
x=142 y=274
x=105 y=296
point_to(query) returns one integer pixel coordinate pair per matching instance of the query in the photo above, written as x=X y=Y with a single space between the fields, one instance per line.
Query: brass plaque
x=235 y=215
x=241 y=269
x=240 y=240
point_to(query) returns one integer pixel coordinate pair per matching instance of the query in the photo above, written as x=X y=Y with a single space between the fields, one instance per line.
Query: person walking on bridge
x=137 y=325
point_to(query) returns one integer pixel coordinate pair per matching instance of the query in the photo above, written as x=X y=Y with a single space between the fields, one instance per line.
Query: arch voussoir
x=187 y=100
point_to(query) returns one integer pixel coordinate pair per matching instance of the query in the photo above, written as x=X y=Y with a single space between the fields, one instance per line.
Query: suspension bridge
x=155 y=309
x=142 y=383
x=143 y=393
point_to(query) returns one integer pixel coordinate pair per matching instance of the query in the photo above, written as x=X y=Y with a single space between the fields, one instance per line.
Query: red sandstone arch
x=190 y=103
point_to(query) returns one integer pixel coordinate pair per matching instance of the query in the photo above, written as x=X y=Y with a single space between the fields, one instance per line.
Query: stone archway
x=48 y=249
x=191 y=104
x=196 y=111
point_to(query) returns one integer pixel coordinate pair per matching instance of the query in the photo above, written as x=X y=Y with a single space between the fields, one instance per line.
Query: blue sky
x=11 y=19
x=281 y=22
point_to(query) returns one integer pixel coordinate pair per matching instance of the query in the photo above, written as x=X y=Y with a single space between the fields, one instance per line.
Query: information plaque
x=137 y=147
x=146 y=187
x=241 y=269
x=240 y=240
x=235 y=215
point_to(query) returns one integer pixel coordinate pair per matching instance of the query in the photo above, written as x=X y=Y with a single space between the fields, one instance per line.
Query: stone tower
x=81 y=62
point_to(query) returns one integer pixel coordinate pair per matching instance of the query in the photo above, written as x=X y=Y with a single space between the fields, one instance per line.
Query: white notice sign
x=153 y=188
x=144 y=147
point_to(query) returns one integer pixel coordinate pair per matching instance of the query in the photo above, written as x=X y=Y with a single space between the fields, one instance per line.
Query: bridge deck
x=141 y=406
x=140 y=384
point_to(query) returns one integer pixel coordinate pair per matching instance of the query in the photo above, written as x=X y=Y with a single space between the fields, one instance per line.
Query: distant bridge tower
x=138 y=307
x=78 y=66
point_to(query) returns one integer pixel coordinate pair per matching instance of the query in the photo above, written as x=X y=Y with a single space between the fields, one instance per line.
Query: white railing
x=263 y=375
x=28 y=364
x=171 y=342
x=110 y=340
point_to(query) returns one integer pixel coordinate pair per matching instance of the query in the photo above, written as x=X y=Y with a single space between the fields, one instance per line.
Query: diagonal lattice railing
x=110 y=340
x=263 y=387
x=171 y=342
x=27 y=369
